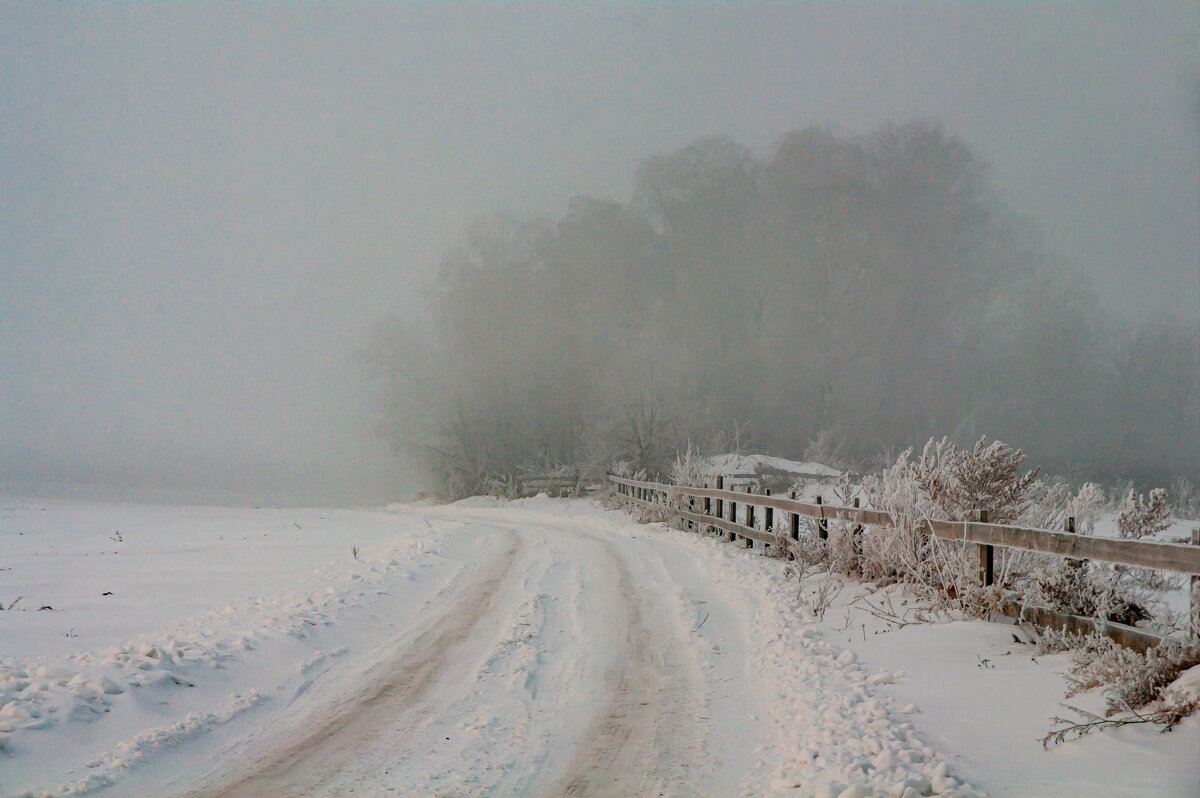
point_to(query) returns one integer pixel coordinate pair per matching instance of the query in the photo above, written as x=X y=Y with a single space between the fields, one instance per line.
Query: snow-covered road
x=561 y=662
x=541 y=647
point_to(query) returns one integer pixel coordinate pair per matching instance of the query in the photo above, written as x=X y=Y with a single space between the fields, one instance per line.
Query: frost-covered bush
x=1075 y=587
x=691 y=468
x=900 y=550
x=1090 y=590
x=1131 y=680
x=1141 y=517
x=906 y=551
x=497 y=485
x=1086 y=507
x=987 y=477
x=1051 y=503
x=1157 y=687
x=621 y=468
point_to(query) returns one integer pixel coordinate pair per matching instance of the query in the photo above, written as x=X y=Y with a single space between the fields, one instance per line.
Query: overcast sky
x=204 y=208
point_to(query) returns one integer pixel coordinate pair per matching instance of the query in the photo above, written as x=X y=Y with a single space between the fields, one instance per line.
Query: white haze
x=204 y=209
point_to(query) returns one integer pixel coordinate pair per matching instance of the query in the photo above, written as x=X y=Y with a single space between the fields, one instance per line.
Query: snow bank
x=837 y=733
x=135 y=621
x=878 y=695
x=752 y=463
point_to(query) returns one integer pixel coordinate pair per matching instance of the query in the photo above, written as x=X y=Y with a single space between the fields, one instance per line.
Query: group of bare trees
x=872 y=285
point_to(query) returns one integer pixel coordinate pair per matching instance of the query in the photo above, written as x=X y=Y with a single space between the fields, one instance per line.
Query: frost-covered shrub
x=1051 y=503
x=691 y=468
x=1131 y=680
x=497 y=485
x=840 y=551
x=899 y=550
x=621 y=468
x=846 y=537
x=1158 y=687
x=906 y=550
x=1086 y=507
x=1092 y=590
x=1141 y=517
x=986 y=477
x=1087 y=589
x=1048 y=504
x=809 y=552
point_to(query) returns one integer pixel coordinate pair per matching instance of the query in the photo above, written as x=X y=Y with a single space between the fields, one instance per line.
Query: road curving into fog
x=567 y=660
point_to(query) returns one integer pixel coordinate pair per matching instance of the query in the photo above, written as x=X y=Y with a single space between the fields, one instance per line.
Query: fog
x=205 y=211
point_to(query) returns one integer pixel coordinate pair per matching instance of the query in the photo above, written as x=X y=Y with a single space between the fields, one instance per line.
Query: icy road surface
x=564 y=660
x=532 y=648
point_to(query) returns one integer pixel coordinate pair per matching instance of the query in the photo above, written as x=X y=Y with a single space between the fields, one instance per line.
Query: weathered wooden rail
x=718 y=508
x=524 y=486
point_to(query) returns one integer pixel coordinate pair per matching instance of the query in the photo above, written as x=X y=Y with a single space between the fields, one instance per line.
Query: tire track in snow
x=305 y=763
x=638 y=743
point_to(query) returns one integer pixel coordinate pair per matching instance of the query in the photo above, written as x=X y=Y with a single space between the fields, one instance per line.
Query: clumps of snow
x=479 y=501
x=837 y=734
x=46 y=692
x=108 y=768
x=1186 y=688
x=320 y=658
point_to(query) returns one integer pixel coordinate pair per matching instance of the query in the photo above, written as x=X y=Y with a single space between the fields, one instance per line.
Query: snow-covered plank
x=1140 y=553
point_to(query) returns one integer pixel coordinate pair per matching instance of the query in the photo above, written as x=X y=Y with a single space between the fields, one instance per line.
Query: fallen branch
x=1166 y=717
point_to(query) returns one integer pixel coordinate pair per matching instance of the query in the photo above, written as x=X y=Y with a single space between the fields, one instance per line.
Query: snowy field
x=539 y=647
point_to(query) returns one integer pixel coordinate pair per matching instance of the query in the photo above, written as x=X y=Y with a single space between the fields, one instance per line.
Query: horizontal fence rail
x=1182 y=559
x=524 y=486
x=721 y=512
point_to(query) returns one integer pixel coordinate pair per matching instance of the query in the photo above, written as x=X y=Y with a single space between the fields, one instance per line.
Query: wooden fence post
x=720 y=502
x=749 y=509
x=1069 y=528
x=733 y=517
x=749 y=518
x=795 y=518
x=987 y=555
x=822 y=525
x=1196 y=593
x=857 y=534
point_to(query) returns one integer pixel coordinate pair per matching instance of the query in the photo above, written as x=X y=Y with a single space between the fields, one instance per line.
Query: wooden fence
x=717 y=508
x=524 y=486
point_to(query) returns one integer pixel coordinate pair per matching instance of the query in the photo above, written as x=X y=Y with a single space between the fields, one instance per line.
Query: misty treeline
x=865 y=292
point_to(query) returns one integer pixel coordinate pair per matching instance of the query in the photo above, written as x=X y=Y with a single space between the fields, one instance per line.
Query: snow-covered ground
x=538 y=647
